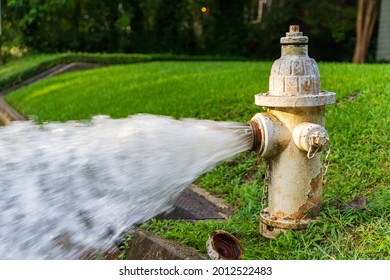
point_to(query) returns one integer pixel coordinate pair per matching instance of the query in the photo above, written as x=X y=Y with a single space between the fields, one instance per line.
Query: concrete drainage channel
x=8 y=114
x=193 y=204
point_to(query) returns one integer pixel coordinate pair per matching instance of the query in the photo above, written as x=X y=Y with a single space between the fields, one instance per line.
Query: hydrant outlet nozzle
x=310 y=137
x=256 y=138
x=270 y=136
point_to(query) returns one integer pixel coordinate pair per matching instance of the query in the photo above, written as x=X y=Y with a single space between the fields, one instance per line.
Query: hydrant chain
x=326 y=166
x=310 y=153
x=314 y=142
x=264 y=196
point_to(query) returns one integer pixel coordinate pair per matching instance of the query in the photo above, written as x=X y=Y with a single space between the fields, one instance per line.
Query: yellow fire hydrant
x=290 y=136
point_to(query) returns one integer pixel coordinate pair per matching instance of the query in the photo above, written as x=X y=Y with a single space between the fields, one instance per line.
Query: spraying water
x=69 y=188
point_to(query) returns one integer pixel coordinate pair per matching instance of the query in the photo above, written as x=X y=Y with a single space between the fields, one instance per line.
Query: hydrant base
x=271 y=226
x=270 y=231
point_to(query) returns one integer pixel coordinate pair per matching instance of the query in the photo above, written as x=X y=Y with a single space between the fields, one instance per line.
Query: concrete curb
x=148 y=246
x=193 y=204
x=54 y=71
x=8 y=114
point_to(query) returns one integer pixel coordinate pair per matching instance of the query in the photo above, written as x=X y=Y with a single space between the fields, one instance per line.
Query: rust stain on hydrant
x=313 y=204
x=290 y=137
x=316 y=182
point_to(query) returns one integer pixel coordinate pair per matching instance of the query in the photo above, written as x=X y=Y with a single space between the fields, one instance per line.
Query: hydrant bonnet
x=295 y=78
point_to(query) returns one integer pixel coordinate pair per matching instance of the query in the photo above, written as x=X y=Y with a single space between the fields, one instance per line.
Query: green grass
x=191 y=89
x=358 y=126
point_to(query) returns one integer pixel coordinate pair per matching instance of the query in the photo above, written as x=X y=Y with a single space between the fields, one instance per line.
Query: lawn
x=358 y=126
x=191 y=89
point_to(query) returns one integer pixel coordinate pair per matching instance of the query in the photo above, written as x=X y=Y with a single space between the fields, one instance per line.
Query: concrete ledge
x=8 y=114
x=147 y=246
x=56 y=70
x=193 y=204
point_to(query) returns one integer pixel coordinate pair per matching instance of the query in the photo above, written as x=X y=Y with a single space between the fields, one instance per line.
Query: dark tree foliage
x=217 y=27
x=226 y=30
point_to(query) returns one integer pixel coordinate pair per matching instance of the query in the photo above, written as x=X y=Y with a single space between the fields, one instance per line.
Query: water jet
x=71 y=189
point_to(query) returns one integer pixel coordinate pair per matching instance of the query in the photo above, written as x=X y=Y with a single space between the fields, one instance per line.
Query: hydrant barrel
x=295 y=106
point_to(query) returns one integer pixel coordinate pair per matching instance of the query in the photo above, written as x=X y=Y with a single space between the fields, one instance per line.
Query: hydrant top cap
x=295 y=78
x=294 y=37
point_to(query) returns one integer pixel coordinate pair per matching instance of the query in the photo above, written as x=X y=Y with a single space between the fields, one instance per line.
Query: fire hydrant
x=290 y=136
